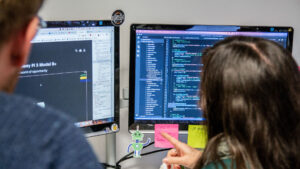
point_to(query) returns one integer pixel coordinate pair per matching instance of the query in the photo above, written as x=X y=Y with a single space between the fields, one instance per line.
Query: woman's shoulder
x=218 y=165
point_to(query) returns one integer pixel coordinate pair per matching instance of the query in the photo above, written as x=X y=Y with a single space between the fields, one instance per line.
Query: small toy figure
x=137 y=146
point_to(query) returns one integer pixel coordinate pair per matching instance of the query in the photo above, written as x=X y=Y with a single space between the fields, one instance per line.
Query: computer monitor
x=74 y=67
x=165 y=66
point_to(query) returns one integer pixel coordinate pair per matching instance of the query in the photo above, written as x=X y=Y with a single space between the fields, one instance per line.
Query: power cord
x=144 y=154
x=126 y=156
x=129 y=156
x=107 y=165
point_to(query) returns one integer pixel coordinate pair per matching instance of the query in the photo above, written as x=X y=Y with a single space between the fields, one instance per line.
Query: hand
x=183 y=154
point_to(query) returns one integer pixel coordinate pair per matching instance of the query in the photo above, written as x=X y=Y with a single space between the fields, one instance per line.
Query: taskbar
x=93 y=122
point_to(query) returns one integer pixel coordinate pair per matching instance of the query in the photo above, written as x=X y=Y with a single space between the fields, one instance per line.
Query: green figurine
x=137 y=146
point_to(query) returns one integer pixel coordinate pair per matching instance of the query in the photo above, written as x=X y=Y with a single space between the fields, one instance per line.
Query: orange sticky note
x=171 y=129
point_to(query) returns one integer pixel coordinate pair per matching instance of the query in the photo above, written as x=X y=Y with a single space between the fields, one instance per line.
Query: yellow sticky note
x=197 y=136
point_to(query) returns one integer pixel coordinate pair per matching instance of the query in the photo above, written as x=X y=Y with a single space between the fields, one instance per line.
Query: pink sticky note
x=171 y=129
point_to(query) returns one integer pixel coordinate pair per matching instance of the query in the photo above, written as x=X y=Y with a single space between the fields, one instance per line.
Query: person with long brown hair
x=250 y=98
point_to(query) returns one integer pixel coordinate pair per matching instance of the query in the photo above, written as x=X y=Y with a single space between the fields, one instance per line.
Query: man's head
x=18 y=25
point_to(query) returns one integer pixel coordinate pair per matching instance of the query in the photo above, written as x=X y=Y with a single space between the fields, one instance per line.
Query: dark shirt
x=40 y=138
x=217 y=165
x=225 y=157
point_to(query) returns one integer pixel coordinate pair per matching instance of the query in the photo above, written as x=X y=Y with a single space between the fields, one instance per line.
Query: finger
x=174 y=160
x=172 y=153
x=172 y=140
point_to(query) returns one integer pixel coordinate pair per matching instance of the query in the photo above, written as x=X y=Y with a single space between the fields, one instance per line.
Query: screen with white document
x=74 y=67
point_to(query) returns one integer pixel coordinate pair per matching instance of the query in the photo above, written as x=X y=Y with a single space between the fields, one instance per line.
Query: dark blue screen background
x=167 y=75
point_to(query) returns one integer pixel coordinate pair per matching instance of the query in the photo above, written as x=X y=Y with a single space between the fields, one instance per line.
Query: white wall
x=227 y=12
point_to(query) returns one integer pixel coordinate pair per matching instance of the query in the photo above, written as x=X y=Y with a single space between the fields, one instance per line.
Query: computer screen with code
x=166 y=66
x=72 y=68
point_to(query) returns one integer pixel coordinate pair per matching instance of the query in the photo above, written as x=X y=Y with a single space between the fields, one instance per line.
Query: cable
x=144 y=154
x=148 y=153
x=129 y=156
x=126 y=156
x=108 y=165
x=149 y=144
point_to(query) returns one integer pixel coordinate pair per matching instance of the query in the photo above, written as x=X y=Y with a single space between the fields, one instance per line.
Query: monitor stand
x=110 y=149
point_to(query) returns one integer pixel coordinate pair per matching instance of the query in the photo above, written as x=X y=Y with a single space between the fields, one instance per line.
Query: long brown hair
x=250 y=98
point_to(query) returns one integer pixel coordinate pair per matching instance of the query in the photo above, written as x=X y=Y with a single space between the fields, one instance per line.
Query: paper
x=171 y=129
x=197 y=136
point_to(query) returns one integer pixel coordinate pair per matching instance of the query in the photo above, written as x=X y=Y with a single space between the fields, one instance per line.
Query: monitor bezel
x=148 y=125
x=104 y=128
